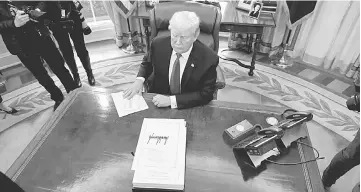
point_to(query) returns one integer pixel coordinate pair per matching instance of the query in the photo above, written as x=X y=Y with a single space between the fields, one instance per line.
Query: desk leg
x=147 y=35
x=255 y=48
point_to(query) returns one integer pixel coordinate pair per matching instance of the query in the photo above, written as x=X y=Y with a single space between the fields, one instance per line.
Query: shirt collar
x=186 y=54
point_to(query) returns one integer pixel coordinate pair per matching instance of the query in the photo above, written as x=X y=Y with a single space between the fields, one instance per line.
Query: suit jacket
x=199 y=76
x=53 y=9
x=8 y=30
x=16 y=39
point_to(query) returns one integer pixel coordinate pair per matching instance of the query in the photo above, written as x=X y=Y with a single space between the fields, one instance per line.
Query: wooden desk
x=238 y=21
x=85 y=146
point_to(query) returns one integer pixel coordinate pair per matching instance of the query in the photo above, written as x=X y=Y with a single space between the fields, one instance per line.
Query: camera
x=38 y=19
x=34 y=15
x=86 y=28
x=353 y=103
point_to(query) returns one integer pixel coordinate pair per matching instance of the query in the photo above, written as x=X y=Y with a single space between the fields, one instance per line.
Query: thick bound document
x=159 y=161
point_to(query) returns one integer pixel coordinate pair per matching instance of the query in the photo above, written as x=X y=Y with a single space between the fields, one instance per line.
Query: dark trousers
x=47 y=49
x=6 y=184
x=343 y=161
x=62 y=37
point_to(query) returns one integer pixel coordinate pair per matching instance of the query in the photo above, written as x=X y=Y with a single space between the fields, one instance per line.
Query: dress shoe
x=88 y=69
x=56 y=105
x=91 y=79
x=119 y=41
x=77 y=80
x=12 y=111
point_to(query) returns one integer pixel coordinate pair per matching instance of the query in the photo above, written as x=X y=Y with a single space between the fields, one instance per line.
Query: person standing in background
x=118 y=12
x=67 y=21
x=31 y=41
x=6 y=184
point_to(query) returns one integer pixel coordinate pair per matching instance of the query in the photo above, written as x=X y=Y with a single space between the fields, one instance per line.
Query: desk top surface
x=85 y=146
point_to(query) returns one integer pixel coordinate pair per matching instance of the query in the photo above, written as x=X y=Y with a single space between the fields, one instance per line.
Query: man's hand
x=21 y=18
x=161 y=101
x=135 y=88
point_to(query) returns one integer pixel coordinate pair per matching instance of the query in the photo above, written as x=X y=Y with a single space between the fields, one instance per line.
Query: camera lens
x=353 y=103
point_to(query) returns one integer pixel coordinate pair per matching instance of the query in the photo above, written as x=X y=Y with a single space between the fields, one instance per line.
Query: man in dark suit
x=179 y=68
x=6 y=184
x=31 y=40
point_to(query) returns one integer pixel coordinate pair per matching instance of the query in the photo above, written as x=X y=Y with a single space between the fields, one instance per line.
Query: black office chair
x=210 y=17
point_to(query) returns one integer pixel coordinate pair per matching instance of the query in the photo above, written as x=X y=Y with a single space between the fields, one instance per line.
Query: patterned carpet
x=328 y=108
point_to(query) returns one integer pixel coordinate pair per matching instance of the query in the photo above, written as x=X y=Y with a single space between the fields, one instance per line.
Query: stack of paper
x=127 y=106
x=159 y=161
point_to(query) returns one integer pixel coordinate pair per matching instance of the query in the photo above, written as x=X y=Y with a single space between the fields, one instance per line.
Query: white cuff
x=141 y=78
x=173 y=102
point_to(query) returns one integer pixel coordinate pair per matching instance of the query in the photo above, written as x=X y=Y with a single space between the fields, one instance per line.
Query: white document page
x=158 y=142
x=161 y=164
x=128 y=106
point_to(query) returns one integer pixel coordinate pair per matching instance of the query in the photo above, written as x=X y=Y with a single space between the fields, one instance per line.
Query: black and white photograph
x=180 y=95
x=255 y=11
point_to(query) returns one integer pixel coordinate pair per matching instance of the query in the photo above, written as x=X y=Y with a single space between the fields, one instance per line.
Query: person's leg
x=34 y=64
x=62 y=37
x=81 y=50
x=109 y=9
x=120 y=25
x=50 y=53
x=342 y=162
x=8 y=185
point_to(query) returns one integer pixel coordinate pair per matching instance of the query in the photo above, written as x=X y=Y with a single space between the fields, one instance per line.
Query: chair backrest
x=209 y=15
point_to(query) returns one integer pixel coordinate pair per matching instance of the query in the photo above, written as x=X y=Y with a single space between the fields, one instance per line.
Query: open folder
x=159 y=161
x=128 y=106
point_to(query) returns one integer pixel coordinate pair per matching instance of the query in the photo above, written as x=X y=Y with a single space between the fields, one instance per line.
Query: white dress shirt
x=182 y=61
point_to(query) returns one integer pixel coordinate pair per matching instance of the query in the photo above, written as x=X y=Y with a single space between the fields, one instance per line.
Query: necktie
x=175 y=87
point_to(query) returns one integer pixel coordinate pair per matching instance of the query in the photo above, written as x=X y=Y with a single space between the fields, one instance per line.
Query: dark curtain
x=299 y=9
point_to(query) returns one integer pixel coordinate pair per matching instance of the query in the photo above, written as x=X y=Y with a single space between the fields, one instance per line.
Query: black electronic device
x=262 y=145
x=271 y=131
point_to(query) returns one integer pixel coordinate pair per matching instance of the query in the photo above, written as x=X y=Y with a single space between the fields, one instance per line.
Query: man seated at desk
x=179 y=68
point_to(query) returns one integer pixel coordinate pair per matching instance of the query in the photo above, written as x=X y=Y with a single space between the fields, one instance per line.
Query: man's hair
x=254 y=6
x=185 y=19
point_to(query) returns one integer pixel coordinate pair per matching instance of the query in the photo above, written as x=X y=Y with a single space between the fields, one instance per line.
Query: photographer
x=348 y=157
x=29 y=39
x=67 y=20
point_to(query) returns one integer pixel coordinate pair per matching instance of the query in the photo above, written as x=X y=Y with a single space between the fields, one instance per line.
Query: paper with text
x=128 y=106
x=159 y=160
x=152 y=148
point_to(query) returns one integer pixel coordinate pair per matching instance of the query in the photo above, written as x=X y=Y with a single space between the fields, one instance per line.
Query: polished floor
x=15 y=139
